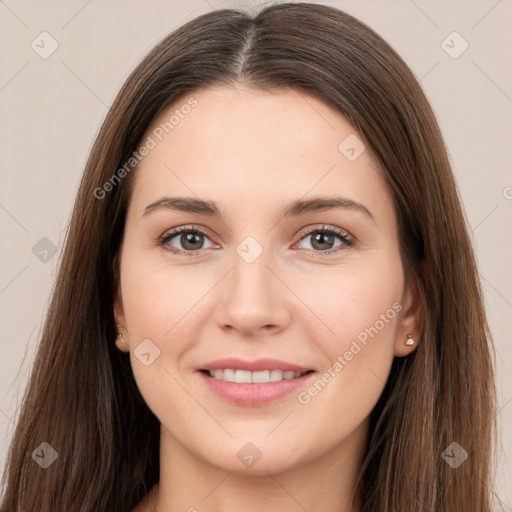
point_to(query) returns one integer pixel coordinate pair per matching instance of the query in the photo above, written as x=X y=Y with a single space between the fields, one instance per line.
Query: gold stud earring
x=119 y=335
x=410 y=340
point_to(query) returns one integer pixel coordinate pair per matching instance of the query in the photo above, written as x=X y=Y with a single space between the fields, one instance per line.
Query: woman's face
x=288 y=252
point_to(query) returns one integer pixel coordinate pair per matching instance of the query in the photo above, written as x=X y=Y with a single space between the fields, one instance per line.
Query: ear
x=411 y=317
x=120 y=321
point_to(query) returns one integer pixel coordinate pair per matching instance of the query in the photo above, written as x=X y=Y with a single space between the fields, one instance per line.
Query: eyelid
x=345 y=237
x=173 y=232
x=347 y=240
x=324 y=227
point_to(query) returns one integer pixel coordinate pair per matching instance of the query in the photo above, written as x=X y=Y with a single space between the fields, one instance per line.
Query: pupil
x=190 y=238
x=323 y=238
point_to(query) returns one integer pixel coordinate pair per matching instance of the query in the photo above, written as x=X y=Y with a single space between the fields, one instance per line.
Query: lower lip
x=254 y=394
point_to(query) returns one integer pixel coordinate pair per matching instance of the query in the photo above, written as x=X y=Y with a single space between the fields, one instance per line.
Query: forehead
x=248 y=146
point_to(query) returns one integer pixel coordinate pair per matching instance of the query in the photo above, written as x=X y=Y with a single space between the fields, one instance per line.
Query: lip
x=252 y=366
x=254 y=394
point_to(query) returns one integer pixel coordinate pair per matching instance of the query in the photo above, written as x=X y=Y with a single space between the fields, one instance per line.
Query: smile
x=259 y=377
x=250 y=389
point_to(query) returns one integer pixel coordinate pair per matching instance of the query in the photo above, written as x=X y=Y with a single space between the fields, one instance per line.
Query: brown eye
x=327 y=240
x=185 y=241
x=191 y=241
x=321 y=241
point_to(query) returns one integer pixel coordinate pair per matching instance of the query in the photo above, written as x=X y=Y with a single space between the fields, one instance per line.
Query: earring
x=409 y=341
x=119 y=335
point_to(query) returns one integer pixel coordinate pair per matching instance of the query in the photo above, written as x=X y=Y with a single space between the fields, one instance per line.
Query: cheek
x=351 y=300
x=158 y=299
x=162 y=304
x=153 y=303
x=361 y=310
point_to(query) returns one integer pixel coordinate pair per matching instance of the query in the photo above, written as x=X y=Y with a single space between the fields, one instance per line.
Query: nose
x=254 y=301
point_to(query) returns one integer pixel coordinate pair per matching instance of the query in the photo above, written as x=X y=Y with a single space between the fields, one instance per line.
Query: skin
x=254 y=151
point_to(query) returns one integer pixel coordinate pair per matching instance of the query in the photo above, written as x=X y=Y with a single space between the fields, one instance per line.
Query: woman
x=329 y=353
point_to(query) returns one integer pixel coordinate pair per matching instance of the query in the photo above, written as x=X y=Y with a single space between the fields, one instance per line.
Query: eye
x=324 y=240
x=189 y=240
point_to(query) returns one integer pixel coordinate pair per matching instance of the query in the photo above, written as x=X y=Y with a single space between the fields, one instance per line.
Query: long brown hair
x=82 y=398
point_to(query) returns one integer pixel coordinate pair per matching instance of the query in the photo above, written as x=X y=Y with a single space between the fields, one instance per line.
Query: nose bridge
x=254 y=297
x=251 y=273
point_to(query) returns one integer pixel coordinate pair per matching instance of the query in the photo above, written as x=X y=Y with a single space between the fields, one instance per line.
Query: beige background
x=52 y=108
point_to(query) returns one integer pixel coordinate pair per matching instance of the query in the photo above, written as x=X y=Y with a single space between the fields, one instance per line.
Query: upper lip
x=252 y=366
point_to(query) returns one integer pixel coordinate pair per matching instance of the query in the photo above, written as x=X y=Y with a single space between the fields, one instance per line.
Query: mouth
x=257 y=377
x=253 y=383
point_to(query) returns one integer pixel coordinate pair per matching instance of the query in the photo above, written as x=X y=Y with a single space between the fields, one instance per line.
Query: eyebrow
x=292 y=209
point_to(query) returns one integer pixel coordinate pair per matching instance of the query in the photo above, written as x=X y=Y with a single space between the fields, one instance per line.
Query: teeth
x=247 y=377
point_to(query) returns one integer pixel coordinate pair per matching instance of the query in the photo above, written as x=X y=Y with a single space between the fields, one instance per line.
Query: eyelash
x=347 y=240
